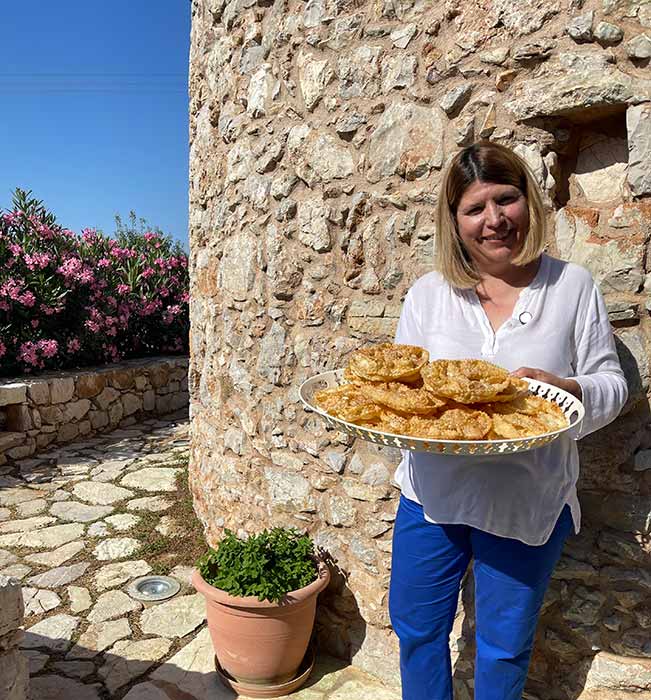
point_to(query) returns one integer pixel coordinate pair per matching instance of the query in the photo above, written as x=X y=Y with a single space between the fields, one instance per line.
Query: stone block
x=638 y=127
x=85 y=427
x=149 y=400
x=158 y=376
x=121 y=378
x=180 y=400
x=18 y=418
x=14 y=676
x=98 y=419
x=76 y=410
x=67 y=432
x=36 y=418
x=106 y=397
x=611 y=672
x=164 y=405
x=53 y=415
x=62 y=389
x=44 y=439
x=11 y=605
x=9 y=440
x=89 y=385
x=115 y=413
x=13 y=393
x=27 y=448
x=39 y=392
x=141 y=382
x=131 y=404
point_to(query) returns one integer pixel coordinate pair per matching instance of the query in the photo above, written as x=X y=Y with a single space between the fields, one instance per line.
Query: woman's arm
x=569 y=385
x=598 y=381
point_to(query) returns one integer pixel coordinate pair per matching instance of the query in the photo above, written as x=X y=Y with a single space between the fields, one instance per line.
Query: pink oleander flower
x=170 y=313
x=92 y=326
x=28 y=354
x=15 y=249
x=123 y=288
x=85 y=276
x=38 y=261
x=45 y=232
x=4 y=305
x=47 y=310
x=111 y=351
x=148 y=272
x=73 y=345
x=3 y=349
x=27 y=299
x=150 y=236
x=103 y=262
x=12 y=288
x=34 y=322
x=70 y=268
x=48 y=348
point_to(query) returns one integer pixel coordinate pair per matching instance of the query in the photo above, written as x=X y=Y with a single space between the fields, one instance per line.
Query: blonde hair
x=483 y=161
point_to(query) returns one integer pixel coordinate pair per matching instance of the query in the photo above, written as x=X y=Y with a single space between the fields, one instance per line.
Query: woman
x=495 y=296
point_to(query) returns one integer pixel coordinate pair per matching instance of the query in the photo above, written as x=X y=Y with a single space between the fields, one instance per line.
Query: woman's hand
x=569 y=385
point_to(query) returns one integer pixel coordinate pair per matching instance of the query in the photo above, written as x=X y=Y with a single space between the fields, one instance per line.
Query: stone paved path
x=71 y=531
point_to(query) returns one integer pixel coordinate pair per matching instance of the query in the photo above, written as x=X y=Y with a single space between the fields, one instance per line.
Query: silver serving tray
x=570 y=405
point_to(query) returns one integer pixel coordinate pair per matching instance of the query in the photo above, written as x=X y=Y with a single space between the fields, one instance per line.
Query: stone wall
x=58 y=408
x=319 y=130
x=14 y=672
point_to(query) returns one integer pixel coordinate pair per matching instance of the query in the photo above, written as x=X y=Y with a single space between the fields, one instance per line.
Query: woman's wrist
x=573 y=387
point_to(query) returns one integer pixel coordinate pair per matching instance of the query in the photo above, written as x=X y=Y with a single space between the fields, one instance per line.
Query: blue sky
x=94 y=109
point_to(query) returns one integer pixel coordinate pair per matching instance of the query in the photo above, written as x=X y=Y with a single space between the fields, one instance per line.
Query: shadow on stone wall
x=340 y=629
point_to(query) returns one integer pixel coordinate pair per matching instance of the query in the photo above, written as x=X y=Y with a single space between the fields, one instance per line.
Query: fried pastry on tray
x=470 y=381
x=402 y=397
x=454 y=424
x=348 y=403
x=526 y=416
x=388 y=362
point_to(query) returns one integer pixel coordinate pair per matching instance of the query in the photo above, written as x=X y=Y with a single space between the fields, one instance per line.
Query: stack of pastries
x=395 y=389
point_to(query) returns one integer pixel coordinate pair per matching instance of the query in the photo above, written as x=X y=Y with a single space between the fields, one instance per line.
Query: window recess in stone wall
x=599 y=222
x=593 y=160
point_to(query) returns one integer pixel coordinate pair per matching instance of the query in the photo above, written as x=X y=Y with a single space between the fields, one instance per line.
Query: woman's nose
x=493 y=214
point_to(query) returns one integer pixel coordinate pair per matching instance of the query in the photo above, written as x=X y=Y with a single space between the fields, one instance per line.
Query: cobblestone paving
x=69 y=521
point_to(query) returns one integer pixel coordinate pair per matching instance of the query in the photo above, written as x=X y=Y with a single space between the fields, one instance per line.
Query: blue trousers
x=428 y=563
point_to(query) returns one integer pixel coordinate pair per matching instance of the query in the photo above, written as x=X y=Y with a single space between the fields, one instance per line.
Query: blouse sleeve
x=598 y=371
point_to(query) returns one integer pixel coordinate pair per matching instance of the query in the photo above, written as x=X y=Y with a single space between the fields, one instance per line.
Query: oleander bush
x=69 y=300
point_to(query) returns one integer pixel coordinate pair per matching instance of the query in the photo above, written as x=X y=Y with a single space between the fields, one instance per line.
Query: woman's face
x=493 y=221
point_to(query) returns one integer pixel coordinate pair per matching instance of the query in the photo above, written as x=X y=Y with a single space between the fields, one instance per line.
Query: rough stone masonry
x=318 y=131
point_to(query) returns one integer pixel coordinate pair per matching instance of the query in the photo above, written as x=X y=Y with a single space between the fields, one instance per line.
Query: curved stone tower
x=318 y=133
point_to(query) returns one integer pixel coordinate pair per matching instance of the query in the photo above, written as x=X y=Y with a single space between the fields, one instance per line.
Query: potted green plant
x=261 y=596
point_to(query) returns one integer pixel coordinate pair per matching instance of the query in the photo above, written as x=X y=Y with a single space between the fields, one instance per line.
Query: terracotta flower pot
x=258 y=642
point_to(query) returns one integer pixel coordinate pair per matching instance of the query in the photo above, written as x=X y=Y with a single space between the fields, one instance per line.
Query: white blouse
x=559 y=324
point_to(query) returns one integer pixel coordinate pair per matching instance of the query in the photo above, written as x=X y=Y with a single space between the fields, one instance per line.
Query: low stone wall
x=64 y=406
x=14 y=673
